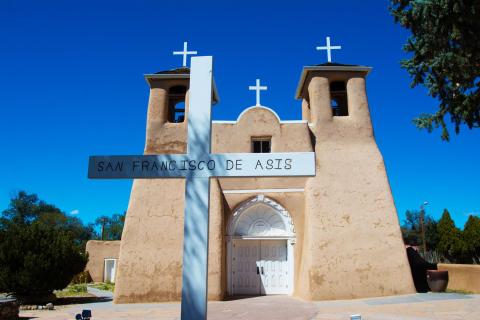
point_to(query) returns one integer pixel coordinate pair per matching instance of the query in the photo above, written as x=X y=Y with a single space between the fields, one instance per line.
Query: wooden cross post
x=197 y=166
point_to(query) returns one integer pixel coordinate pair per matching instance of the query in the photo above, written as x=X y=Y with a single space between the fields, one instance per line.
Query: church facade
x=332 y=236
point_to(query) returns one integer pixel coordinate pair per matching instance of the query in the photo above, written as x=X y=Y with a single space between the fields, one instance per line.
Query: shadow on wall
x=419 y=268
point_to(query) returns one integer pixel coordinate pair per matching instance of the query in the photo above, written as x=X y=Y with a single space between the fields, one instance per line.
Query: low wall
x=9 y=309
x=465 y=277
x=98 y=251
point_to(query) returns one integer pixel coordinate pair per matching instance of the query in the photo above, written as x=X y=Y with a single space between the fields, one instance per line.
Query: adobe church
x=332 y=236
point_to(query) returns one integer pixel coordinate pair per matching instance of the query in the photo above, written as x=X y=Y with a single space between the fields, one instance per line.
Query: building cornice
x=342 y=68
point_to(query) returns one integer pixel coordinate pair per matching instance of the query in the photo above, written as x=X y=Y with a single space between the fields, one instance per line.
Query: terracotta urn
x=437 y=280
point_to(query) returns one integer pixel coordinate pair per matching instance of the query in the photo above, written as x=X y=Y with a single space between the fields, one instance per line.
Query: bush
x=78 y=288
x=73 y=290
x=82 y=277
x=36 y=259
x=107 y=286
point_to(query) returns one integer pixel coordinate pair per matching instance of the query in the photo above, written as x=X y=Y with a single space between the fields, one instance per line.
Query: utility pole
x=104 y=220
x=422 y=225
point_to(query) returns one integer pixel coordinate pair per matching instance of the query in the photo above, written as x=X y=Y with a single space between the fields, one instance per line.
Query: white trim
x=261 y=199
x=260 y=107
x=260 y=238
x=281 y=122
x=289 y=237
x=294 y=121
x=235 y=191
x=224 y=121
x=105 y=269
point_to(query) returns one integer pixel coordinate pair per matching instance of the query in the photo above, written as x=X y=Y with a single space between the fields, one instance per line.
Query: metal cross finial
x=184 y=53
x=329 y=49
x=258 y=88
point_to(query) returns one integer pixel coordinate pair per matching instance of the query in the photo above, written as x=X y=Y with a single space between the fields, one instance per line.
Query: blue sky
x=71 y=85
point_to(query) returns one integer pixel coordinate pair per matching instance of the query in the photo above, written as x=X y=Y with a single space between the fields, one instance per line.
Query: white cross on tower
x=258 y=88
x=329 y=49
x=184 y=53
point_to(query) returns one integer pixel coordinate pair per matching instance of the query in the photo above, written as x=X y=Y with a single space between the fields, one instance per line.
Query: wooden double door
x=260 y=267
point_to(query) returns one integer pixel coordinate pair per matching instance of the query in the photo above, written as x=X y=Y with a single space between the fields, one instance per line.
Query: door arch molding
x=260 y=218
x=286 y=231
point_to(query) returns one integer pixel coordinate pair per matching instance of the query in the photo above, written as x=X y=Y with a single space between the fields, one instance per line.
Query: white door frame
x=290 y=259
x=287 y=234
x=105 y=268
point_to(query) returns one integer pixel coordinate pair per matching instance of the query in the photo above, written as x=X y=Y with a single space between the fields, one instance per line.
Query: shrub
x=36 y=259
x=82 y=277
x=107 y=286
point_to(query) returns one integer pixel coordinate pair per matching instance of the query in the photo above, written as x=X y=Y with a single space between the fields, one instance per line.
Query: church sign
x=197 y=166
x=215 y=165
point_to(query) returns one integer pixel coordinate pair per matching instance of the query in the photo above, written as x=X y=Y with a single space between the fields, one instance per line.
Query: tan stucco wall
x=348 y=237
x=353 y=245
x=98 y=251
x=465 y=277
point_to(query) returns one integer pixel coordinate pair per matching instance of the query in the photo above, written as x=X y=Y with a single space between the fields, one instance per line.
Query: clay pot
x=437 y=280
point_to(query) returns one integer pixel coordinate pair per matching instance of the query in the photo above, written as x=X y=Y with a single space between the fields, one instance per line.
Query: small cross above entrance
x=329 y=49
x=184 y=53
x=258 y=88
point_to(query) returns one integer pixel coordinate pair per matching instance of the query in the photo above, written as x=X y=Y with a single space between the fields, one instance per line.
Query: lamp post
x=422 y=225
x=104 y=220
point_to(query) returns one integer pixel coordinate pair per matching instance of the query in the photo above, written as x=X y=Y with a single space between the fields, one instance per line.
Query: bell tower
x=351 y=223
x=167 y=114
x=150 y=263
x=334 y=98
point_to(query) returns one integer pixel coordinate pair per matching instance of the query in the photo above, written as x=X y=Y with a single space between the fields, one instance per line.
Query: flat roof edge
x=307 y=69
x=148 y=77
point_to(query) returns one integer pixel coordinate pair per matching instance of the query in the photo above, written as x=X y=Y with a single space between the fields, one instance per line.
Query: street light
x=103 y=220
x=422 y=225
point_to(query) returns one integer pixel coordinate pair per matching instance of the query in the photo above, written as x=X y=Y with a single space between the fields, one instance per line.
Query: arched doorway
x=260 y=239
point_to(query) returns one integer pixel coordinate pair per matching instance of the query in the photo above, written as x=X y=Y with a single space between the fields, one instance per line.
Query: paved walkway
x=409 y=307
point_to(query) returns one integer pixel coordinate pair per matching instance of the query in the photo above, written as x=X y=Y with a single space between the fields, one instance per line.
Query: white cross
x=197 y=166
x=329 y=49
x=258 y=88
x=184 y=53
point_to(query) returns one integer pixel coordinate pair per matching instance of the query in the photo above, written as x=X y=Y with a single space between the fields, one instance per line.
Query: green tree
x=23 y=208
x=41 y=248
x=111 y=227
x=450 y=243
x=411 y=230
x=471 y=237
x=26 y=208
x=36 y=259
x=431 y=233
x=445 y=48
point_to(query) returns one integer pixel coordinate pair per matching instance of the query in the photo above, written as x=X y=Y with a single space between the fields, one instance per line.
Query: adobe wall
x=149 y=268
x=98 y=251
x=150 y=265
x=353 y=244
x=464 y=277
x=349 y=243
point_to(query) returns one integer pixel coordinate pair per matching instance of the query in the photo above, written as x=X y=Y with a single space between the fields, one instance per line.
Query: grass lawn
x=107 y=286
x=73 y=290
x=458 y=291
